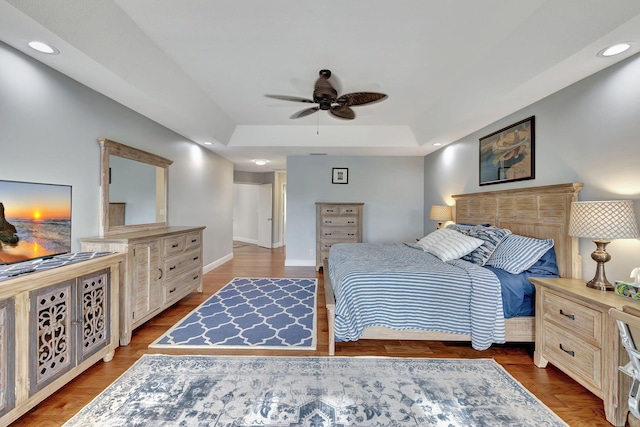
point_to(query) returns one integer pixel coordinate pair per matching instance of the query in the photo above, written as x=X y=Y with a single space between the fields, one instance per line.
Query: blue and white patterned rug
x=163 y=390
x=250 y=313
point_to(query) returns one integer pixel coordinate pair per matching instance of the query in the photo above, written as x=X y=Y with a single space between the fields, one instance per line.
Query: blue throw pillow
x=516 y=253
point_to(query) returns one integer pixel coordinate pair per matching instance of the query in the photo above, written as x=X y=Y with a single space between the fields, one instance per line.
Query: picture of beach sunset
x=35 y=220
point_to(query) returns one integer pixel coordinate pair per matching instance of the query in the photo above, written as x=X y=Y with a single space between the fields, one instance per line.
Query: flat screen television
x=35 y=221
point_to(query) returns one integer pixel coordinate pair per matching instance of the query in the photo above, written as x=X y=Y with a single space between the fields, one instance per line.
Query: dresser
x=575 y=333
x=55 y=324
x=336 y=223
x=161 y=266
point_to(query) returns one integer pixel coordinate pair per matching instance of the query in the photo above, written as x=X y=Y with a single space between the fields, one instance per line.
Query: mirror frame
x=112 y=148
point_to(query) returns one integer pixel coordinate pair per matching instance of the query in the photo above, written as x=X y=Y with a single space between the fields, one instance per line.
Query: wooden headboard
x=541 y=212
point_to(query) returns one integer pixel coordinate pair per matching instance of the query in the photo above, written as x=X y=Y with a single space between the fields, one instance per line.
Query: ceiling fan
x=326 y=96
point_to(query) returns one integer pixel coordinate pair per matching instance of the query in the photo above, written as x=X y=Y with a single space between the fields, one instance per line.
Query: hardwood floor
x=576 y=405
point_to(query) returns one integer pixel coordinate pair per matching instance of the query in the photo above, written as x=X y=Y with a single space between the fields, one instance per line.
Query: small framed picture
x=340 y=176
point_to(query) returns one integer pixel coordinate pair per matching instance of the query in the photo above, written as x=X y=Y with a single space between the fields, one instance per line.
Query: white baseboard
x=217 y=263
x=299 y=262
x=246 y=240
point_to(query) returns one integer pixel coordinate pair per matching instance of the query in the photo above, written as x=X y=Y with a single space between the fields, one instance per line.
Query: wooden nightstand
x=575 y=333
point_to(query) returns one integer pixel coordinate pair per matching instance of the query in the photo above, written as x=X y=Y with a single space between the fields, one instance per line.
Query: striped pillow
x=432 y=238
x=518 y=253
x=454 y=246
x=492 y=236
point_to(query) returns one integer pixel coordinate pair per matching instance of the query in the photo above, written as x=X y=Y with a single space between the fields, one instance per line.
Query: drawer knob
x=569 y=352
x=194 y=240
x=172 y=268
x=570 y=316
x=175 y=245
x=196 y=258
x=172 y=290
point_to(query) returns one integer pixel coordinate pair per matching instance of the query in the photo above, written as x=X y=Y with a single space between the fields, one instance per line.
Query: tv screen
x=35 y=220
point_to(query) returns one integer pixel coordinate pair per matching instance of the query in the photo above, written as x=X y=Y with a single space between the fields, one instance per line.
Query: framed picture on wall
x=508 y=154
x=340 y=176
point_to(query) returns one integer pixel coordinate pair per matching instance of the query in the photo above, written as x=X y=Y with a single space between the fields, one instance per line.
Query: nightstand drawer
x=572 y=355
x=573 y=317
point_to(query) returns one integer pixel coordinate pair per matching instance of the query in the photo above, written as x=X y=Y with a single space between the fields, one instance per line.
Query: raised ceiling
x=202 y=67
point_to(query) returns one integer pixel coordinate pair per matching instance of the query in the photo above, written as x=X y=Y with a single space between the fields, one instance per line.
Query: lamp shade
x=440 y=213
x=611 y=219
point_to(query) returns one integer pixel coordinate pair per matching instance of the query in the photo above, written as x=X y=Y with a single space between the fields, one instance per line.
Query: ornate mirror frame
x=112 y=148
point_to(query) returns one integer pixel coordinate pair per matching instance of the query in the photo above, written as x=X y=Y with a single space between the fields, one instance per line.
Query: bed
x=540 y=212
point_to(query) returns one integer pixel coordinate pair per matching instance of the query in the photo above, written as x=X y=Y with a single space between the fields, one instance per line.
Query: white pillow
x=433 y=238
x=454 y=246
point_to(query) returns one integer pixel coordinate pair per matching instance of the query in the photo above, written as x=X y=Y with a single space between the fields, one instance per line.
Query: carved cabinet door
x=7 y=356
x=50 y=333
x=69 y=322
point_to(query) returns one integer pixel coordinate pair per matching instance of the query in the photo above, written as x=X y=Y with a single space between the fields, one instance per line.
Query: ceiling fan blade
x=360 y=98
x=342 y=112
x=304 y=112
x=290 y=98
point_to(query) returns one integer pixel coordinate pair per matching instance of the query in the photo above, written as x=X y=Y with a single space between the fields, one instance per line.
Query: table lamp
x=601 y=221
x=441 y=214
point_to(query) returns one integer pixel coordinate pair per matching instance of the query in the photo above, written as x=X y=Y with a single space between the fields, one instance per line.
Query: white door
x=265 y=219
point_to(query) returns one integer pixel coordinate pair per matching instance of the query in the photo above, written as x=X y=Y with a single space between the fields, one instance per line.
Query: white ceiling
x=202 y=67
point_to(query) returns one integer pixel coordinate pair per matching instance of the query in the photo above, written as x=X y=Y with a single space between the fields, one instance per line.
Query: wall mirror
x=133 y=187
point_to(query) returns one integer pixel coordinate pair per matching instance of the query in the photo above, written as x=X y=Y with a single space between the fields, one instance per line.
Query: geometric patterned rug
x=257 y=313
x=242 y=391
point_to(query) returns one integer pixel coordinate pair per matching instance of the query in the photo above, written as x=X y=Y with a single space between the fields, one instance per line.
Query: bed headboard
x=541 y=212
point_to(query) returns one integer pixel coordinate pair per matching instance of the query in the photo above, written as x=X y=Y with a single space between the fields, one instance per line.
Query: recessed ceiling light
x=43 y=47
x=207 y=143
x=260 y=162
x=615 y=49
x=437 y=144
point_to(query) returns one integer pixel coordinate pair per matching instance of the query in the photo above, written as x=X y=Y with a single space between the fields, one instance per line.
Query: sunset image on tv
x=35 y=220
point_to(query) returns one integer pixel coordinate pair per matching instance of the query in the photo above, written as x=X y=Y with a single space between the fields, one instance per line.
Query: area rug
x=163 y=390
x=258 y=313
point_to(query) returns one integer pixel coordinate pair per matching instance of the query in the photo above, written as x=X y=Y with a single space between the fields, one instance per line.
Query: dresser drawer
x=325 y=244
x=178 y=265
x=573 y=356
x=338 y=233
x=349 y=210
x=193 y=240
x=180 y=286
x=573 y=317
x=173 y=245
x=340 y=221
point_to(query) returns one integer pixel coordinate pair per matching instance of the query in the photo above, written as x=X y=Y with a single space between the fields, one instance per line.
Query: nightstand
x=575 y=333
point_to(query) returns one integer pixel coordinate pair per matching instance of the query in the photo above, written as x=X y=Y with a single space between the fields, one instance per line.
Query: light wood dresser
x=161 y=266
x=575 y=333
x=55 y=324
x=336 y=223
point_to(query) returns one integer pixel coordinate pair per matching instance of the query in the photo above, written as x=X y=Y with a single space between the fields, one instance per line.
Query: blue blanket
x=402 y=287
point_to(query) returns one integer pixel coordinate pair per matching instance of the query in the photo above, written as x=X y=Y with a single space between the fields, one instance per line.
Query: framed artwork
x=508 y=154
x=340 y=176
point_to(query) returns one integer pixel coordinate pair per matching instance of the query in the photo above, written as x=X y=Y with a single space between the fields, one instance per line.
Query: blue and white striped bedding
x=400 y=286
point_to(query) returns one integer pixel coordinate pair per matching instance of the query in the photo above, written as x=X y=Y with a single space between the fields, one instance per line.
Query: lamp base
x=600 y=255
x=600 y=285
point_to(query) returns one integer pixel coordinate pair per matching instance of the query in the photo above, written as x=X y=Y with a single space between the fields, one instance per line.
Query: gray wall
x=390 y=187
x=49 y=126
x=588 y=132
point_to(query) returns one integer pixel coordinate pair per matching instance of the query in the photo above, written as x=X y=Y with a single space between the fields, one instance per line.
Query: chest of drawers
x=336 y=223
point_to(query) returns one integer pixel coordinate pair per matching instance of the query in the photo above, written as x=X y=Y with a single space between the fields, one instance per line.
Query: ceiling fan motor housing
x=324 y=93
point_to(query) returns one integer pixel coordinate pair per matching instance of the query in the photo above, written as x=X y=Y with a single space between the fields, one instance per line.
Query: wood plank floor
x=576 y=405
